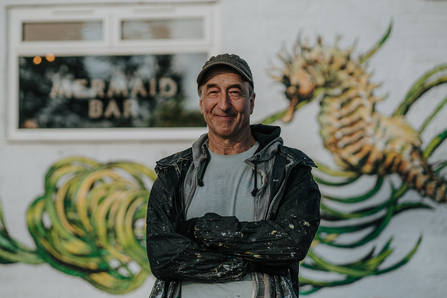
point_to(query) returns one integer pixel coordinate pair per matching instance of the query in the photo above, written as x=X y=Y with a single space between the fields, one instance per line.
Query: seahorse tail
x=439 y=190
x=420 y=177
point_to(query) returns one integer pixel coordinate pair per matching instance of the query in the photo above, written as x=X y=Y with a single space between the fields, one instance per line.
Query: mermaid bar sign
x=108 y=91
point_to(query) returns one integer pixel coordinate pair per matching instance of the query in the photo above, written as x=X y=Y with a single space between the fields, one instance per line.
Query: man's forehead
x=221 y=70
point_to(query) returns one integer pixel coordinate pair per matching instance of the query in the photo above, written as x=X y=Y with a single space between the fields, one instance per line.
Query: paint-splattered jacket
x=286 y=218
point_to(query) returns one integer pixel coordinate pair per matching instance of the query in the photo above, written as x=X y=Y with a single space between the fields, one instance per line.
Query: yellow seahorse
x=359 y=138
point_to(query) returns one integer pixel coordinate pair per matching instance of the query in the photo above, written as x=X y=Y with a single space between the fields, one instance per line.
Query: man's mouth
x=225 y=116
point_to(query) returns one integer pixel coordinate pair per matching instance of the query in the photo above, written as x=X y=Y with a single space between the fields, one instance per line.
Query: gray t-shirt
x=228 y=183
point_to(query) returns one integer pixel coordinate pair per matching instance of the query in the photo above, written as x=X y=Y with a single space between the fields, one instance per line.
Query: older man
x=234 y=214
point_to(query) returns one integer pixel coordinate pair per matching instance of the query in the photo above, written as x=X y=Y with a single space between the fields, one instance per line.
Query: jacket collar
x=267 y=136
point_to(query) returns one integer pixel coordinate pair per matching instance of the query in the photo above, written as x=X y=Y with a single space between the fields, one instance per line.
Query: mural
x=90 y=221
x=362 y=142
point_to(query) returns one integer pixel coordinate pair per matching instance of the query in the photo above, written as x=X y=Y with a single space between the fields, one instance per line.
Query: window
x=105 y=72
x=43 y=31
x=187 y=28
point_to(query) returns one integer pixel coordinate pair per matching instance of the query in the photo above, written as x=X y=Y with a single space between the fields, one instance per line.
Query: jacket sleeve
x=173 y=256
x=281 y=241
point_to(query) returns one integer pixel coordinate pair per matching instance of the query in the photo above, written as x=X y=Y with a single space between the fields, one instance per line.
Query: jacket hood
x=266 y=135
x=269 y=142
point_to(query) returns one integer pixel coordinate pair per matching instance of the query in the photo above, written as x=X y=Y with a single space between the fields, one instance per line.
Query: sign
x=109 y=91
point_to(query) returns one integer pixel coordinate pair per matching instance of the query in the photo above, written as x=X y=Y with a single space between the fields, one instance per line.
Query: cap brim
x=205 y=69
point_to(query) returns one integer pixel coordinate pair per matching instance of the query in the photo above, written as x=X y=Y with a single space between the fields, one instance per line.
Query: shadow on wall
x=90 y=221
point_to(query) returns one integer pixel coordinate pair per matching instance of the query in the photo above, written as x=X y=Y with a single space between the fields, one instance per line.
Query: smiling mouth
x=225 y=116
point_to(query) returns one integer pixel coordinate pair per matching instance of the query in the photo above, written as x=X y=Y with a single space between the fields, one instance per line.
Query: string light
x=50 y=57
x=37 y=60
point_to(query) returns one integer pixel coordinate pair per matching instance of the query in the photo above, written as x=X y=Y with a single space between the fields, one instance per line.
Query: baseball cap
x=232 y=60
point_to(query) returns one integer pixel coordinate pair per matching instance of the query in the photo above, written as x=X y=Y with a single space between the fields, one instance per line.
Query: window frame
x=111 y=16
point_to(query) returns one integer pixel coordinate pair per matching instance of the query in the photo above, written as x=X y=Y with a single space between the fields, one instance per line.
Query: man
x=234 y=214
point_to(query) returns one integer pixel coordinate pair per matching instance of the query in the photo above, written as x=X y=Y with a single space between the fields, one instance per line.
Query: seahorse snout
x=301 y=88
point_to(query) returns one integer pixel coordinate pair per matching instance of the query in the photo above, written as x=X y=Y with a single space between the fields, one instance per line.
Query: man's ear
x=252 y=102
x=201 y=106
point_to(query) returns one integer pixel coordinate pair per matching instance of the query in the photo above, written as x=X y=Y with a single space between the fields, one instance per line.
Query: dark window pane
x=109 y=91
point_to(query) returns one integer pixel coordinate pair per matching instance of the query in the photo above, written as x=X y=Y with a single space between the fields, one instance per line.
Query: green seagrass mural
x=90 y=222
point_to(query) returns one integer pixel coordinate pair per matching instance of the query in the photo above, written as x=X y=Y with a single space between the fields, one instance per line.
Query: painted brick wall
x=256 y=30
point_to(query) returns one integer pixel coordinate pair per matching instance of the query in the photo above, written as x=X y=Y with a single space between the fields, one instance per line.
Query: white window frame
x=111 y=44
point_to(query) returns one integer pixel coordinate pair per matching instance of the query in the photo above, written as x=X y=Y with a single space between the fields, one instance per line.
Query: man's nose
x=224 y=102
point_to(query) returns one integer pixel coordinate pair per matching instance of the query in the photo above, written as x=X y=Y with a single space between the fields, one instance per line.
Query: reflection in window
x=99 y=91
x=191 y=28
x=53 y=31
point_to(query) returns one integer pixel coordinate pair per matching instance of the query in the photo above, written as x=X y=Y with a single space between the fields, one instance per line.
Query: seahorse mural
x=362 y=141
x=89 y=222
x=359 y=138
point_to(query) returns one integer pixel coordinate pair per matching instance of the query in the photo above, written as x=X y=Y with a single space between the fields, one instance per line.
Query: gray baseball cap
x=232 y=60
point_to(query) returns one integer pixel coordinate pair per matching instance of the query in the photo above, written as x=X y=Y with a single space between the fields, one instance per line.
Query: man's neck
x=224 y=146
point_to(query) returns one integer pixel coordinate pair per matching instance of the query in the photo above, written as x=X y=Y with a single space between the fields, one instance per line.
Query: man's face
x=225 y=103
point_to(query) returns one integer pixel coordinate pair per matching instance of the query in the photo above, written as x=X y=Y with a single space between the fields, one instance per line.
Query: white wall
x=256 y=30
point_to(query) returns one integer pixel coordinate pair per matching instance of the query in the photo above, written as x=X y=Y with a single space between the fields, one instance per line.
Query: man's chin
x=223 y=133
x=227 y=133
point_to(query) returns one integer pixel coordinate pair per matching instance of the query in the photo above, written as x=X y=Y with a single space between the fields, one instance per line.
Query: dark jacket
x=286 y=218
